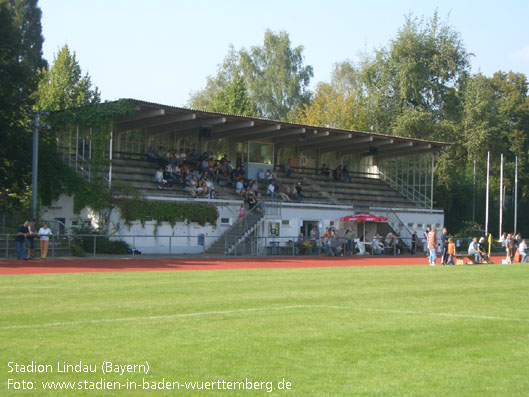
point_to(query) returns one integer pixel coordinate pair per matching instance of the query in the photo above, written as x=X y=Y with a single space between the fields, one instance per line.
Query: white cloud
x=521 y=55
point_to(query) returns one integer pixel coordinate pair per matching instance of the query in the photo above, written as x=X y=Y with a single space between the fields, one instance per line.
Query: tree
x=233 y=98
x=62 y=86
x=20 y=59
x=338 y=104
x=274 y=74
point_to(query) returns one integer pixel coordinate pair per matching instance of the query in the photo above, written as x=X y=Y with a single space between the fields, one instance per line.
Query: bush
x=104 y=245
x=77 y=250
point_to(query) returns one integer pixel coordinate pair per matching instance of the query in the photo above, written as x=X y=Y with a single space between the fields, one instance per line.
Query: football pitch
x=388 y=330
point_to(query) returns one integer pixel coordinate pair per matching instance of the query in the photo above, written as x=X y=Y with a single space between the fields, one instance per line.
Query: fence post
x=170 y=246
x=133 y=244
x=53 y=245
x=7 y=246
x=95 y=238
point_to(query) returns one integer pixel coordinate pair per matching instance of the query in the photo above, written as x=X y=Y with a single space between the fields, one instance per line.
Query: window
x=262 y=153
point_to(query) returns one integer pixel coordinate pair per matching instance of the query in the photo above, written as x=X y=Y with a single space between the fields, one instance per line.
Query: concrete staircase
x=235 y=235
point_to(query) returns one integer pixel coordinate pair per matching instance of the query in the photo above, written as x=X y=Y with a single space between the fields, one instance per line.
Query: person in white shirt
x=523 y=251
x=158 y=177
x=44 y=233
x=473 y=249
x=271 y=191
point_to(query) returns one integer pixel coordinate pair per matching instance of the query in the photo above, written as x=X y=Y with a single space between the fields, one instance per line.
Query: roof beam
x=154 y=121
x=399 y=147
x=325 y=141
x=187 y=125
x=234 y=126
x=415 y=150
x=255 y=132
x=142 y=115
x=336 y=146
x=291 y=133
x=299 y=138
x=346 y=149
x=245 y=131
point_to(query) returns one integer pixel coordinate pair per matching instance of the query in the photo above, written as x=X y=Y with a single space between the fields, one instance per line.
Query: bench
x=460 y=259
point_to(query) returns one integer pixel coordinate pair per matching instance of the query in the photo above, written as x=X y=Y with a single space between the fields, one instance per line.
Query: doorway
x=307 y=226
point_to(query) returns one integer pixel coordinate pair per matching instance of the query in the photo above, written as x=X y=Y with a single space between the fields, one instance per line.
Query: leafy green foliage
x=233 y=99
x=161 y=211
x=274 y=75
x=62 y=85
x=20 y=59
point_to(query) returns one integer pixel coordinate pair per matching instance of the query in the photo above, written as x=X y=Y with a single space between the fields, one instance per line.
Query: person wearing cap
x=20 y=240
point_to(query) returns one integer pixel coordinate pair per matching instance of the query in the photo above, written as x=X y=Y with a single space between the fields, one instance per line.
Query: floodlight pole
x=515 y=194
x=487 y=196
x=35 y=158
x=35 y=163
x=501 y=194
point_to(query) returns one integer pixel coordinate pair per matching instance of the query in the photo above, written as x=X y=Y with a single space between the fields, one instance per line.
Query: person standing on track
x=432 y=246
x=444 y=246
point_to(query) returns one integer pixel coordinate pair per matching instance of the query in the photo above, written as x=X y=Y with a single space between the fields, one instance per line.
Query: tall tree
x=233 y=98
x=20 y=59
x=274 y=74
x=62 y=86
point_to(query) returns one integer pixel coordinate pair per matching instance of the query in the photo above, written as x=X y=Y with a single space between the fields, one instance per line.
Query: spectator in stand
x=182 y=157
x=239 y=188
x=338 y=173
x=252 y=201
x=473 y=249
x=283 y=192
x=294 y=195
x=44 y=233
x=158 y=177
x=511 y=247
x=261 y=175
x=346 y=176
x=271 y=190
x=193 y=158
x=168 y=175
x=287 y=168
x=327 y=171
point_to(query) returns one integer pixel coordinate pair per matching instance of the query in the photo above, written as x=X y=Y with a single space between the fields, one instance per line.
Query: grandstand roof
x=158 y=119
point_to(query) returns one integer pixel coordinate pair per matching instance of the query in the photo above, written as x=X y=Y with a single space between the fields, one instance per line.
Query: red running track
x=138 y=264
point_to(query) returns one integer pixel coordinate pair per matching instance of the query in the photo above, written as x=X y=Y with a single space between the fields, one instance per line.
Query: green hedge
x=164 y=211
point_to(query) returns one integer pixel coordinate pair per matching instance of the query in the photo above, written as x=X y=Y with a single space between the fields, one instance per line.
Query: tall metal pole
x=431 y=187
x=487 y=196
x=110 y=162
x=35 y=162
x=474 y=194
x=501 y=194
x=515 y=193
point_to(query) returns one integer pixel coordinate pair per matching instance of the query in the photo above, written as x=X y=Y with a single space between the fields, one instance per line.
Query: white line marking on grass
x=453 y=315
x=170 y=316
x=261 y=309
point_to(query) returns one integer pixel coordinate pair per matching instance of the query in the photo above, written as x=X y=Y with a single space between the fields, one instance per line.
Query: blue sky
x=162 y=50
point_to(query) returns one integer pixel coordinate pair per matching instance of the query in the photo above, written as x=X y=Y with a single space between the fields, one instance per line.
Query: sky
x=161 y=50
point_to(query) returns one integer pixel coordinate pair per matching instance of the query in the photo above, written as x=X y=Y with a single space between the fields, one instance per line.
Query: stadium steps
x=227 y=243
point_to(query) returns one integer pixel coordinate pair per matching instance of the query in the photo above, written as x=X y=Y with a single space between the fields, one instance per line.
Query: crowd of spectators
x=195 y=174
x=340 y=173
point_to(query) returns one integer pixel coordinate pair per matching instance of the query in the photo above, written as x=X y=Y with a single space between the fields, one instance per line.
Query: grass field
x=390 y=330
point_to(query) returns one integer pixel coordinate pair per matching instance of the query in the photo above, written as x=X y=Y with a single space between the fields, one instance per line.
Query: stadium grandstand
x=318 y=174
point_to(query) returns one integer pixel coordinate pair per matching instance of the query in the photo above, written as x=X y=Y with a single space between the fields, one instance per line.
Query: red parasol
x=364 y=217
